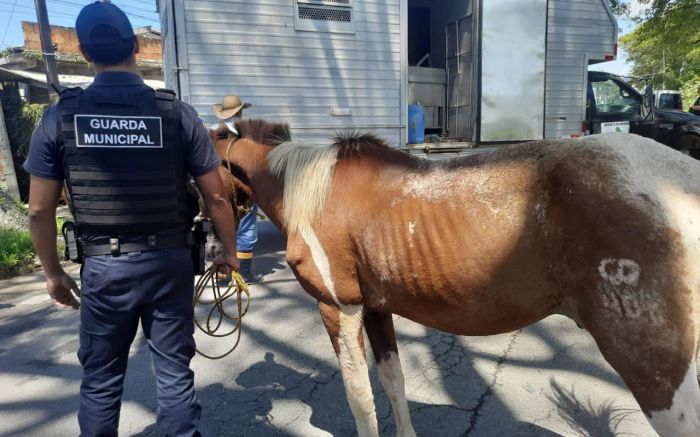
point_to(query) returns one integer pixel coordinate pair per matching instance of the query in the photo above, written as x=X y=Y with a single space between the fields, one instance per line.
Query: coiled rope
x=217 y=314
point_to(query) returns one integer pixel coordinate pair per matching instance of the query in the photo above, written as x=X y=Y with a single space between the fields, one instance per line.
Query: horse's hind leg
x=380 y=331
x=649 y=337
x=344 y=326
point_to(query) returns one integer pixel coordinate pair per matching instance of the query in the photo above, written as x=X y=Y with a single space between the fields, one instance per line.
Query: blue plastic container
x=416 y=124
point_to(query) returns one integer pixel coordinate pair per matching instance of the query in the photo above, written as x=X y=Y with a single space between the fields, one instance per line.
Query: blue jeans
x=247 y=234
x=156 y=289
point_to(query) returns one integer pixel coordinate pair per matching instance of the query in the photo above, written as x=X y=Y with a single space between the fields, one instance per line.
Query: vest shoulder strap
x=165 y=99
x=70 y=97
x=165 y=94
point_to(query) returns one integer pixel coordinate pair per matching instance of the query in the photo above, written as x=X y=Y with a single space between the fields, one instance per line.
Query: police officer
x=124 y=152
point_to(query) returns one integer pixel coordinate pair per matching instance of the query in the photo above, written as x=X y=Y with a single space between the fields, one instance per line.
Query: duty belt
x=119 y=246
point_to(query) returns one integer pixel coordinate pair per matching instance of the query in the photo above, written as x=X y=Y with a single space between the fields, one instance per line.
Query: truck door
x=460 y=81
x=614 y=106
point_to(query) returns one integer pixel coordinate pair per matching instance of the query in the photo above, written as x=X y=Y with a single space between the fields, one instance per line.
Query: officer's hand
x=61 y=289
x=224 y=263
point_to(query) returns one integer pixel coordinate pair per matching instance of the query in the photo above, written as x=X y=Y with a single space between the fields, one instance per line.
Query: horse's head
x=241 y=154
x=239 y=192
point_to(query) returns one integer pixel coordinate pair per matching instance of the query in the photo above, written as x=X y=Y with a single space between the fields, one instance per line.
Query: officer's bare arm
x=43 y=199
x=219 y=208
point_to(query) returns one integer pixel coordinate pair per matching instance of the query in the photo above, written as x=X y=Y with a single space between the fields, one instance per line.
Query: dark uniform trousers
x=156 y=288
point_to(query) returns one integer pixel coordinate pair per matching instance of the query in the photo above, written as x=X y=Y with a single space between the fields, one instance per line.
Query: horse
x=603 y=229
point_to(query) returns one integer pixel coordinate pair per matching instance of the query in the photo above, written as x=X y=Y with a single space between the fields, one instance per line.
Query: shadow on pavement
x=246 y=407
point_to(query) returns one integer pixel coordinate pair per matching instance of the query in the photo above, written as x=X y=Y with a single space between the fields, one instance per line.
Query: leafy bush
x=20 y=119
x=16 y=251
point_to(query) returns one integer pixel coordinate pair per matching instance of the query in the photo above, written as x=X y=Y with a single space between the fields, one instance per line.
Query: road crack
x=476 y=412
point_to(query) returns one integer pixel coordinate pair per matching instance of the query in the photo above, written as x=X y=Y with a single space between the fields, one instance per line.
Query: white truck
x=485 y=71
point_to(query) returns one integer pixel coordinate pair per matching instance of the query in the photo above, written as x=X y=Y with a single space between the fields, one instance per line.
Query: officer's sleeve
x=201 y=156
x=43 y=159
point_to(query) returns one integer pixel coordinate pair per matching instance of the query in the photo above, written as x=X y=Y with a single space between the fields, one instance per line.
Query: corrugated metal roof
x=66 y=80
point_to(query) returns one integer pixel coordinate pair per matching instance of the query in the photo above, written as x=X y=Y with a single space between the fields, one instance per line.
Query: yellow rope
x=217 y=314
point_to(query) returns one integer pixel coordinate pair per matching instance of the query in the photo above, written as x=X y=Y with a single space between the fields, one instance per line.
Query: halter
x=228 y=152
x=229 y=146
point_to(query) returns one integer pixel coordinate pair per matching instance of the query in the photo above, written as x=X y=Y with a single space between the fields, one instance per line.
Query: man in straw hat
x=232 y=107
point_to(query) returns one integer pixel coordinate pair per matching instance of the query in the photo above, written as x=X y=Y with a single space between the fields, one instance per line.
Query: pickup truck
x=613 y=105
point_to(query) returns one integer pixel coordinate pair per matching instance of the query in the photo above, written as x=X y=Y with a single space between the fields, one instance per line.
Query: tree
x=620 y=7
x=665 y=47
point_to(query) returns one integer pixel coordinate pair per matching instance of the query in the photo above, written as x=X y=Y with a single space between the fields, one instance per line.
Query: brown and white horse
x=604 y=230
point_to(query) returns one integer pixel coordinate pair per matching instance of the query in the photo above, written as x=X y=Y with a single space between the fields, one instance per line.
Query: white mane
x=307 y=174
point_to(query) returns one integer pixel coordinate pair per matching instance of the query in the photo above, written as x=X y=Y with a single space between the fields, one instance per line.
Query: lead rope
x=218 y=314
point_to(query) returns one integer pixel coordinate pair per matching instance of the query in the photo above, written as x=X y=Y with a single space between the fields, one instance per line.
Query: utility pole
x=8 y=165
x=663 y=73
x=42 y=16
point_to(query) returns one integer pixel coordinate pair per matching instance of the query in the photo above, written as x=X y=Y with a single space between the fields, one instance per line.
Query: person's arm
x=43 y=199
x=203 y=164
x=221 y=213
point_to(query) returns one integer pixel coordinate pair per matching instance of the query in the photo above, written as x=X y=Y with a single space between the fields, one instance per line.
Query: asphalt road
x=546 y=380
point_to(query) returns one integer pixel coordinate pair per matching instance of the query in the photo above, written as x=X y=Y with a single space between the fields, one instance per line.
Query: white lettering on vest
x=112 y=124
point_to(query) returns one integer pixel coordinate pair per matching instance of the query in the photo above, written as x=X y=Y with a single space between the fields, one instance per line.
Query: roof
x=66 y=80
x=70 y=58
x=147 y=31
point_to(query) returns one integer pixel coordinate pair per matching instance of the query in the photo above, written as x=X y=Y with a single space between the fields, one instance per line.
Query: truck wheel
x=690 y=145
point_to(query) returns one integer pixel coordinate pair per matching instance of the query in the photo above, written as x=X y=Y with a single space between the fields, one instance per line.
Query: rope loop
x=217 y=314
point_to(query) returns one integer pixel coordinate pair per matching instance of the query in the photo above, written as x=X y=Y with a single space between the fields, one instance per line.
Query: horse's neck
x=268 y=192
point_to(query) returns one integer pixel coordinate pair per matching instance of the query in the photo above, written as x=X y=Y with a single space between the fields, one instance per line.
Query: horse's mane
x=307 y=171
x=263 y=132
x=357 y=143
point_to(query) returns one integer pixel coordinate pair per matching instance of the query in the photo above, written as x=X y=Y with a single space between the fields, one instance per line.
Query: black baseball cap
x=105 y=33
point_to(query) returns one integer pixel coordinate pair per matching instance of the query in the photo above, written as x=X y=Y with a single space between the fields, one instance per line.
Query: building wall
x=251 y=48
x=579 y=32
x=66 y=41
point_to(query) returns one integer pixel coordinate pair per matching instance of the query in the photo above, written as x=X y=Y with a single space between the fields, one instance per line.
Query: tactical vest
x=124 y=163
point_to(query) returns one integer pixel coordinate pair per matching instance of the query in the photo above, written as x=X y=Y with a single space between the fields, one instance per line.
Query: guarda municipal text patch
x=118 y=131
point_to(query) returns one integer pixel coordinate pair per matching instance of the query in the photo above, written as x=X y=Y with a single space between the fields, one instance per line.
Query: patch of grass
x=16 y=251
x=60 y=244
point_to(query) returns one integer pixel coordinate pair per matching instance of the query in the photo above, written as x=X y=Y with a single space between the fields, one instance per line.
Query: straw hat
x=231 y=106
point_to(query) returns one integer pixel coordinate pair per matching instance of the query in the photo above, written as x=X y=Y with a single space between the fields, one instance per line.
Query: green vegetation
x=16 y=251
x=665 y=47
x=20 y=119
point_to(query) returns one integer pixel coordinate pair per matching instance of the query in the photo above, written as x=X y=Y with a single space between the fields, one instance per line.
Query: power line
x=69 y=3
x=29 y=11
x=33 y=11
x=136 y=8
x=12 y=12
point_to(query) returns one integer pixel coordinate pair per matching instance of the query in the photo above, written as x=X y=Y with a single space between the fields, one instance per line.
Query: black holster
x=70 y=237
x=197 y=240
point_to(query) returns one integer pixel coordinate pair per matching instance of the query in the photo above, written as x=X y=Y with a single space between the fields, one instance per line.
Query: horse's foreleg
x=344 y=326
x=380 y=331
